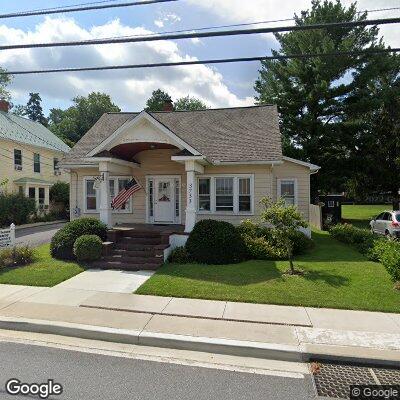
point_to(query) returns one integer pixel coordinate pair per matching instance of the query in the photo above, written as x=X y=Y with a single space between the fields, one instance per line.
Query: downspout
x=77 y=210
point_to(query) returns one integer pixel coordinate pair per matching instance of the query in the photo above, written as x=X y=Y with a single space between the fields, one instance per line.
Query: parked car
x=387 y=223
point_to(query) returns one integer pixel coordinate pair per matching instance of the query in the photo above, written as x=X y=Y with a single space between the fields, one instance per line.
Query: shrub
x=62 y=243
x=361 y=239
x=88 y=248
x=388 y=253
x=263 y=243
x=215 y=242
x=15 y=256
x=15 y=208
x=377 y=249
x=59 y=193
x=179 y=255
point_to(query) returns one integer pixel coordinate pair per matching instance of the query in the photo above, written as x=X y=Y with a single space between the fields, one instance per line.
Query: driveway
x=36 y=235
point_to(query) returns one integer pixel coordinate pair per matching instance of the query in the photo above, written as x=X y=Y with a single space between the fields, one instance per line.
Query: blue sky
x=219 y=86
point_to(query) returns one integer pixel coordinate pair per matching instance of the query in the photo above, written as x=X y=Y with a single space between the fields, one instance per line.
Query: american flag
x=122 y=197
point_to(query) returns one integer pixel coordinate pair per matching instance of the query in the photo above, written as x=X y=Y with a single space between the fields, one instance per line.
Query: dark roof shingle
x=229 y=134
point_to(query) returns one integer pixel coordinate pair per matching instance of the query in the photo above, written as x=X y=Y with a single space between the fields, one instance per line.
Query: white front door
x=164 y=200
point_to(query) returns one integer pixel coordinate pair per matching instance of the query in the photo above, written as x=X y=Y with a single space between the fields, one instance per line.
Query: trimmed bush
x=59 y=193
x=263 y=244
x=88 y=248
x=388 y=253
x=62 y=243
x=215 y=242
x=179 y=255
x=16 y=256
x=361 y=239
x=15 y=208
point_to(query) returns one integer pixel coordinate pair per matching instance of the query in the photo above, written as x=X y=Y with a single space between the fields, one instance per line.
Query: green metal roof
x=23 y=130
x=33 y=180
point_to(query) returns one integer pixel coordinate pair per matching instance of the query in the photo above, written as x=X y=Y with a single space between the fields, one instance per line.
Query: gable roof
x=222 y=135
x=23 y=130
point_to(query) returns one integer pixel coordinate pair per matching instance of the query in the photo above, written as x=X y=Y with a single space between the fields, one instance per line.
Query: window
x=18 y=159
x=244 y=194
x=41 y=199
x=36 y=162
x=331 y=204
x=55 y=165
x=226 y=194
x=151 y=198
x=20 y=190
x=204 y=194
x=91 y=203
x=287 y=191
x=116 y=185
x=177 y=189
x=32 y=193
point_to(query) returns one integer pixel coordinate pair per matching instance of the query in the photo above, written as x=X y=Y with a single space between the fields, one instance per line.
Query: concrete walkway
x=268 y=331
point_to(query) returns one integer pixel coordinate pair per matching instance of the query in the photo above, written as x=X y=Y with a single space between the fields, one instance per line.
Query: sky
x=224 y=85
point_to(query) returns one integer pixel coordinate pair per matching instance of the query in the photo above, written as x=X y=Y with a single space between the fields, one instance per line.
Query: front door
x=164 y=200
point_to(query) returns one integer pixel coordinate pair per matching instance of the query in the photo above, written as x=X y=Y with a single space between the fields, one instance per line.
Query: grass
x=44 y=271
x=336 y=276
x=361 y=215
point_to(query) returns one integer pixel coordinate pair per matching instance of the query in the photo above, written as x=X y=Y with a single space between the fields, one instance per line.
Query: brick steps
x=125 y=266
x=135 y=259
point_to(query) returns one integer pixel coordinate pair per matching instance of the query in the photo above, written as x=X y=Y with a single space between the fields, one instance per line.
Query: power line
x=47 y=11
x=204 y=62
x=191 y=35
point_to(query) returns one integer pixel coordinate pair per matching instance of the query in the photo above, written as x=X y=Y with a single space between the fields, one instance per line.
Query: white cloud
x=261 y=10
x=167 y=18
x=159 y=23
x=128 y=88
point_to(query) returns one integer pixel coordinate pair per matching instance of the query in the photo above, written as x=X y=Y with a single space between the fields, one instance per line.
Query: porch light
x=152 y=146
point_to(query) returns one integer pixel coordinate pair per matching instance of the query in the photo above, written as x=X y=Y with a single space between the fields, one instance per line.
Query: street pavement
x=36 y=235
x=104 y=377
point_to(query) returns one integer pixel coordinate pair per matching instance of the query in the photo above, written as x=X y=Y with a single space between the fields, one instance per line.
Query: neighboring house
x=192 y=165
x=30 y=156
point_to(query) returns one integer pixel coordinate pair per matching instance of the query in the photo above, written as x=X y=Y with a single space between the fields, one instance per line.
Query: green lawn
x=336 y=276
x=360 y=215
x=45 y=271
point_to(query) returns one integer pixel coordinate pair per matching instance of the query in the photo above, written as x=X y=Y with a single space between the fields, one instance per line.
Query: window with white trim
x=116 y=185
x=225 y=194
x=287 y=191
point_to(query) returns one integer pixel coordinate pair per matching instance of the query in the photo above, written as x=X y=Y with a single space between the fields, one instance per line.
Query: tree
x=19 y=109
x=311 y=92
x=374 y=117
x=286 y=220
x=189 y=104
x=5 y=80
x=71 y=124
x=34 y=110
x=157 y=100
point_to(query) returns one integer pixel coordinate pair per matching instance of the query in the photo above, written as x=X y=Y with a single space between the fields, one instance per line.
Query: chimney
x=168 y=106
x=4 y=105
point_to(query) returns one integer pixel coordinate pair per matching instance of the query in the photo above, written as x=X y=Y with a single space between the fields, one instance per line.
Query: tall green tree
x=374 y=118
x=157 y=100
x=311 y=92
x=34 y=110
x=5 y=80
x=189 y=104
x=19 y=109
x=71 y=124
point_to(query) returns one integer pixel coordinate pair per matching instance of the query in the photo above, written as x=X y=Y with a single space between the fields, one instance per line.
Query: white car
x=387 y=223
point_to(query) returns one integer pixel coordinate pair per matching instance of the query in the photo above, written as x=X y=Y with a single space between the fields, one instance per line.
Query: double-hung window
x=225 y=194
x=36 y=162
x=287 y=191
x=91 y=195
x=18 y=159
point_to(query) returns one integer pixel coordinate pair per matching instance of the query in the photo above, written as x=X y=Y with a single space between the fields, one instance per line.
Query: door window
x=164 y=191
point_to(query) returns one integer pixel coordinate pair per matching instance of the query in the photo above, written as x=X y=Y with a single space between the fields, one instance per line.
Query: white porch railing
x=7 y=236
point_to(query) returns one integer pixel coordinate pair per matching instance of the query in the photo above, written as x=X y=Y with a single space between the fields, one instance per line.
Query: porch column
x=191 y=168
x=105 y=203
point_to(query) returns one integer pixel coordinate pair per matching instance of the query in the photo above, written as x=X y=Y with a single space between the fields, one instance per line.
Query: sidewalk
x=254 y=330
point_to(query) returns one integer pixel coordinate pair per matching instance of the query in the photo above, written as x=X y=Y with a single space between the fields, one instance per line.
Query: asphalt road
x=36 y=236
x=103 y=377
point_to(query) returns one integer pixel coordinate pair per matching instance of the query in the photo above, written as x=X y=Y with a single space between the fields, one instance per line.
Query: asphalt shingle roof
x=229 y=134
x=23 y=130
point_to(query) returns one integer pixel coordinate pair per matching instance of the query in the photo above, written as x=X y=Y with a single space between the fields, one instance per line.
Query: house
x=30 y=156
x=215 y=163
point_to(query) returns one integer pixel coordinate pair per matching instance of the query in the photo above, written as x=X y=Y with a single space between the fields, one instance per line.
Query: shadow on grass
x=330 y=279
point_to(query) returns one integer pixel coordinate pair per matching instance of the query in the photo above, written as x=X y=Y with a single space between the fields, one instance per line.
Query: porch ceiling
x=127 y=151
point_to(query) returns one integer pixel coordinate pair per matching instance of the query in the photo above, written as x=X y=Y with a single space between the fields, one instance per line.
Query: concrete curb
x=282 y=352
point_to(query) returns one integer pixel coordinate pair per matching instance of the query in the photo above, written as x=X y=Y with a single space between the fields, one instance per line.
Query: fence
x=315 y=216
x=7 y=236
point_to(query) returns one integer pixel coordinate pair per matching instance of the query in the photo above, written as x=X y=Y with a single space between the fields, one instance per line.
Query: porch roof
x=243 y=134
